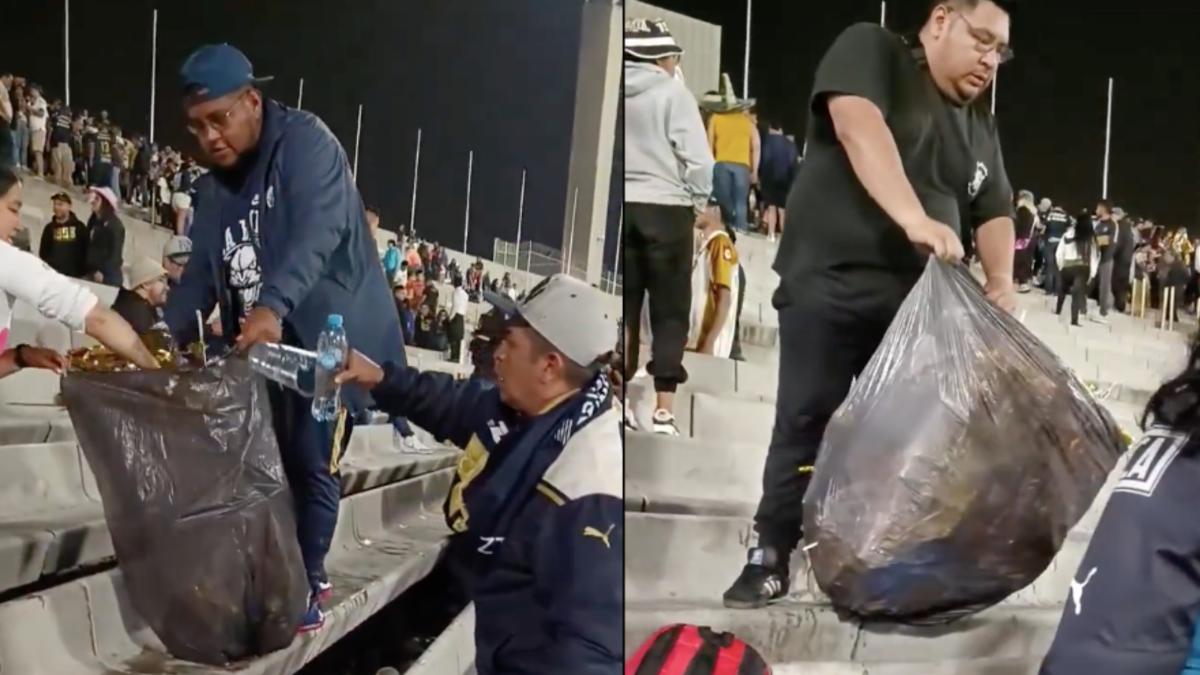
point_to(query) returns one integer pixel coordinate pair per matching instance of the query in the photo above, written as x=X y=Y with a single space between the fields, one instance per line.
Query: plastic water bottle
x=291 y=367
x=331 y=356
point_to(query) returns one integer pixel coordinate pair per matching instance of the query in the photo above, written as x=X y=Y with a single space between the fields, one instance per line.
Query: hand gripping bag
x=963 y=454
x=197 y=505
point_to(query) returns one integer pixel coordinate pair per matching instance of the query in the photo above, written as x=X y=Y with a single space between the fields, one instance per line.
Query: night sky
x=498 y=78
x=1052 y=97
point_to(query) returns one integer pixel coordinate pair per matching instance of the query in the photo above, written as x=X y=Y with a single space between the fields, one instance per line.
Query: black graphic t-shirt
x=242 y=251
x=951 y=156
x=62 y=127
x=104 y=146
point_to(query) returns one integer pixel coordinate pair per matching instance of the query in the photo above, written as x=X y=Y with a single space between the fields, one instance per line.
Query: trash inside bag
x=949 y=477
x=197 y=505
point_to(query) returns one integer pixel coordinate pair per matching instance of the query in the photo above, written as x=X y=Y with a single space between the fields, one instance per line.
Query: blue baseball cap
x=213 y=71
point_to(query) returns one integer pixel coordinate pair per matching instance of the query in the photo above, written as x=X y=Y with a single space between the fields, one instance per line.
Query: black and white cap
x=650 y=39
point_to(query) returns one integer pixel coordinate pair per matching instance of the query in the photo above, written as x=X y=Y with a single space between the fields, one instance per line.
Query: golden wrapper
x=100 y=359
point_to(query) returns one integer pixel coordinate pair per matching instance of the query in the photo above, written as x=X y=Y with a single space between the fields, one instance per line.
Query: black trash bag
x=197 y=505
x=949 y=477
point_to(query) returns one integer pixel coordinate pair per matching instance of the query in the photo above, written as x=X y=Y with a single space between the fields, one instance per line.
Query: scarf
x=496 y=503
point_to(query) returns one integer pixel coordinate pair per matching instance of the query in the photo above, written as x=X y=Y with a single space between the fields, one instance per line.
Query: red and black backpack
x=695 y=650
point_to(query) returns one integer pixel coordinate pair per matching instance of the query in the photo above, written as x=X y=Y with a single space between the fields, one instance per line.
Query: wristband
x=19 y=357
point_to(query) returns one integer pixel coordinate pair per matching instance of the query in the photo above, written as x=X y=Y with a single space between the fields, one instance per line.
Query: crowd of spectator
x=1105 y=254
x=79 y=149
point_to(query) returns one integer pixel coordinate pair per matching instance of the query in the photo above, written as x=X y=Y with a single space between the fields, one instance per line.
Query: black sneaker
x=762 y=581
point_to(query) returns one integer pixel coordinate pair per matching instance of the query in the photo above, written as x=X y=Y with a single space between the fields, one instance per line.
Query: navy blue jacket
x=1133 y=605
x=548 y=587
x=317 y=254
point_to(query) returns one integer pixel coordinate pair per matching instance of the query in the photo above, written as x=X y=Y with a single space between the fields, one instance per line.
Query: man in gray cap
x=536 y=502
x=1122 y=259
x=175 y=258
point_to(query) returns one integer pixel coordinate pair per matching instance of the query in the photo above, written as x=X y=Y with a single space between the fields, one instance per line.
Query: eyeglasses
x=218 y=121
x=986 y=41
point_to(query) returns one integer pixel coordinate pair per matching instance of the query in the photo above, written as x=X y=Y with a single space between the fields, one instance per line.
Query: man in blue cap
x=280 y=242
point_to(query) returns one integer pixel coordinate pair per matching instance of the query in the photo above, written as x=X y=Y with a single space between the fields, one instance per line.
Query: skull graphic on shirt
x=245 y=274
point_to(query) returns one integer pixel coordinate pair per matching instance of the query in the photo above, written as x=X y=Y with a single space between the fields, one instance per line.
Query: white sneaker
x=664 y=423
x=1098 y=319
x=631 y=422
x=414 y=445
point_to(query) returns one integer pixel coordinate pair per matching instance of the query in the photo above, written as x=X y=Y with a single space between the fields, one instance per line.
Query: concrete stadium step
x=724 y=478
x=22 y=424
x=981 y=666
x=802 y=633
x=683 y=475
x=52 y=518
x=726 y=418
x=640 y=398
x=696 y=557
x=387 y=539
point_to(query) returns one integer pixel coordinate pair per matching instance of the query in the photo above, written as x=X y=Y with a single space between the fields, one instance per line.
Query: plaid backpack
x=695 y=650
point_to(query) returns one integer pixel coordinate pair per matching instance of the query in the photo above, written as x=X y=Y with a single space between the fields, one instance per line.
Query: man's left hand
x=261 y=325
x=1003 y=292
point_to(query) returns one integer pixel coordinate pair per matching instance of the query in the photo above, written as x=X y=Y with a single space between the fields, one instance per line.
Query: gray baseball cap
x=567 y=312
x=178 y=246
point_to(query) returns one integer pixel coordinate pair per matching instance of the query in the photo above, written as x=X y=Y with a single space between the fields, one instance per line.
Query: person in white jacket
x=25 y=277
x=1078 y=259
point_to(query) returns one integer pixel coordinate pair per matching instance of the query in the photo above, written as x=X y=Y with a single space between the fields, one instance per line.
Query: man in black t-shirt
x=1122 y=259
x=1106 y=235
x=902 y=161
x=1056 y=222
x=62 y=161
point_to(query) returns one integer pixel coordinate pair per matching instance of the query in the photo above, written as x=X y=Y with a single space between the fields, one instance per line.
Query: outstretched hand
x=44 y=359
x=361 y=371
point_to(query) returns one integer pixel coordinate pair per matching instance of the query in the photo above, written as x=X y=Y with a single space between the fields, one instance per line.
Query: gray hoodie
x=667 y=158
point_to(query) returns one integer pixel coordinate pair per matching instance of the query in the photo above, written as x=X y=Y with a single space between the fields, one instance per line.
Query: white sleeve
x=29 y=279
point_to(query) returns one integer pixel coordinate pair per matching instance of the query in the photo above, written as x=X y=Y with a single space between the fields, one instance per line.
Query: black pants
x=1023 y=265
x=1075 y=279
x=454 y=331
x=658 y=262
x=828 y=331
x=1053 y=277
x=6 y=145
x=1120 y=282
x=310 y=451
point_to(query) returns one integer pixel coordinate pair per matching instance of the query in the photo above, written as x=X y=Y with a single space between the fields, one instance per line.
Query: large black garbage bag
x=951 y=474
x=197 y=505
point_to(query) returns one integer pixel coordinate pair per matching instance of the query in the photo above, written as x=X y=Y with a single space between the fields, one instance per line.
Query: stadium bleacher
x=690 y=504
x=65 y=611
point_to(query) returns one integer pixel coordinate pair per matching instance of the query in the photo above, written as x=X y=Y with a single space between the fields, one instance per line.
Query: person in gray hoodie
x=668 y=178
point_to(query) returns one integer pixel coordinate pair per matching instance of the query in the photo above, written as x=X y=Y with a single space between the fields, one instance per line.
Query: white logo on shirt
x=1149 y=461
x=981 y=175
x=241 y=258
x=271 y=197
x=499 y=430
x=1077 y=591
x=486 y=547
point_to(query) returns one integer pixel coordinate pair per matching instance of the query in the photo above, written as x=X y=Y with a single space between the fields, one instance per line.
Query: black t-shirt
x=136 y=310
x=1057 y=223
x=1106 y=231
x=951 y=155
x=104 y=146
x=62 y=127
